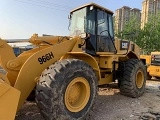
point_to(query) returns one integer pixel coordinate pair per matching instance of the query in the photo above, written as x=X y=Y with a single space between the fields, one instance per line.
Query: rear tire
x=134 y=78
x=66 y=90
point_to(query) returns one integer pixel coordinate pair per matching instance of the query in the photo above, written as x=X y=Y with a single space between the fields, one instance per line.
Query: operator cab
x=96 y=24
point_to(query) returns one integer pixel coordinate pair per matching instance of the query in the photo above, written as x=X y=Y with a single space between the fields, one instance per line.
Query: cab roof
x=95 y=5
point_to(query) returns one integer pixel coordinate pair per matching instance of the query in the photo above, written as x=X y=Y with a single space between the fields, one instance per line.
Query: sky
x=20 y=19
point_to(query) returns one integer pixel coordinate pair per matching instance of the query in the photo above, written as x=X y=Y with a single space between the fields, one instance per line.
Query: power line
x=51 y=4
x=46 y=5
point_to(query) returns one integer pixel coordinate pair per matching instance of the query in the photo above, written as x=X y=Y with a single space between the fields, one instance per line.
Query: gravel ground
x=110 y=105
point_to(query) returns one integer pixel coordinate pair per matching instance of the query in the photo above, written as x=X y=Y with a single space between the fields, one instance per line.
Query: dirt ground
x=111 y=105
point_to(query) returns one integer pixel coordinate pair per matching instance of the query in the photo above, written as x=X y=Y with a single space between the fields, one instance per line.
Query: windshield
x=77 y=22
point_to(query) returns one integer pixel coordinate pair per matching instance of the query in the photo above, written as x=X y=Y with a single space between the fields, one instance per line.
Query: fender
x=131 y=54
x=86 y=58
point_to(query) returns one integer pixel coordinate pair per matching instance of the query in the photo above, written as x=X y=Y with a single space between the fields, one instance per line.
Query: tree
x=147 y=38
x=131 y=31
x=151 y=34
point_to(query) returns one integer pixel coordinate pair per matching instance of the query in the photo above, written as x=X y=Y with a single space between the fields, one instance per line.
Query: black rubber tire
x=120 y=73
x=128 y=85
x=51 y=88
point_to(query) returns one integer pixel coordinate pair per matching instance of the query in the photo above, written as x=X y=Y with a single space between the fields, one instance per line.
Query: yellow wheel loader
x=153 y=64
x=67 y=70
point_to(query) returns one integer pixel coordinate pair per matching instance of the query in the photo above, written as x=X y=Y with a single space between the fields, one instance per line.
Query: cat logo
x=124 y=45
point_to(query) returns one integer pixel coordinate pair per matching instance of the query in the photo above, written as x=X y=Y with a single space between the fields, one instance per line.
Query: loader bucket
x=9 y=98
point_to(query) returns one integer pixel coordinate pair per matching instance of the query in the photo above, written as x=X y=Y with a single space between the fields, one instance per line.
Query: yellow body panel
x=154 y=70
x=123 y=53
x=9 y=98
x=5 y=58
x=147 y=58
x=106 y=80
x=106 y=61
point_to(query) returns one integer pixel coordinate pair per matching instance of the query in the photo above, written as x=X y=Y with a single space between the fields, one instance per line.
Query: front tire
x=66 y=90
x=134 y=78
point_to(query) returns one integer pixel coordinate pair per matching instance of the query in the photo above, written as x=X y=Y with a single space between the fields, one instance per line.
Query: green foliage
x=147 y=38
x=151 y=34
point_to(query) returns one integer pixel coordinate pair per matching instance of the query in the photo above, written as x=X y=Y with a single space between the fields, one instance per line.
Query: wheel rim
x=139 y=79
x=77 y=94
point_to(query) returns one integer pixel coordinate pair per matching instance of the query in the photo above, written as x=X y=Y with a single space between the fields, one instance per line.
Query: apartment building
x=123 y=15
x=149 y=7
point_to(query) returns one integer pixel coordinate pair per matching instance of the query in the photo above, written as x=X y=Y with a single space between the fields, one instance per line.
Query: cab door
x=105 y=34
